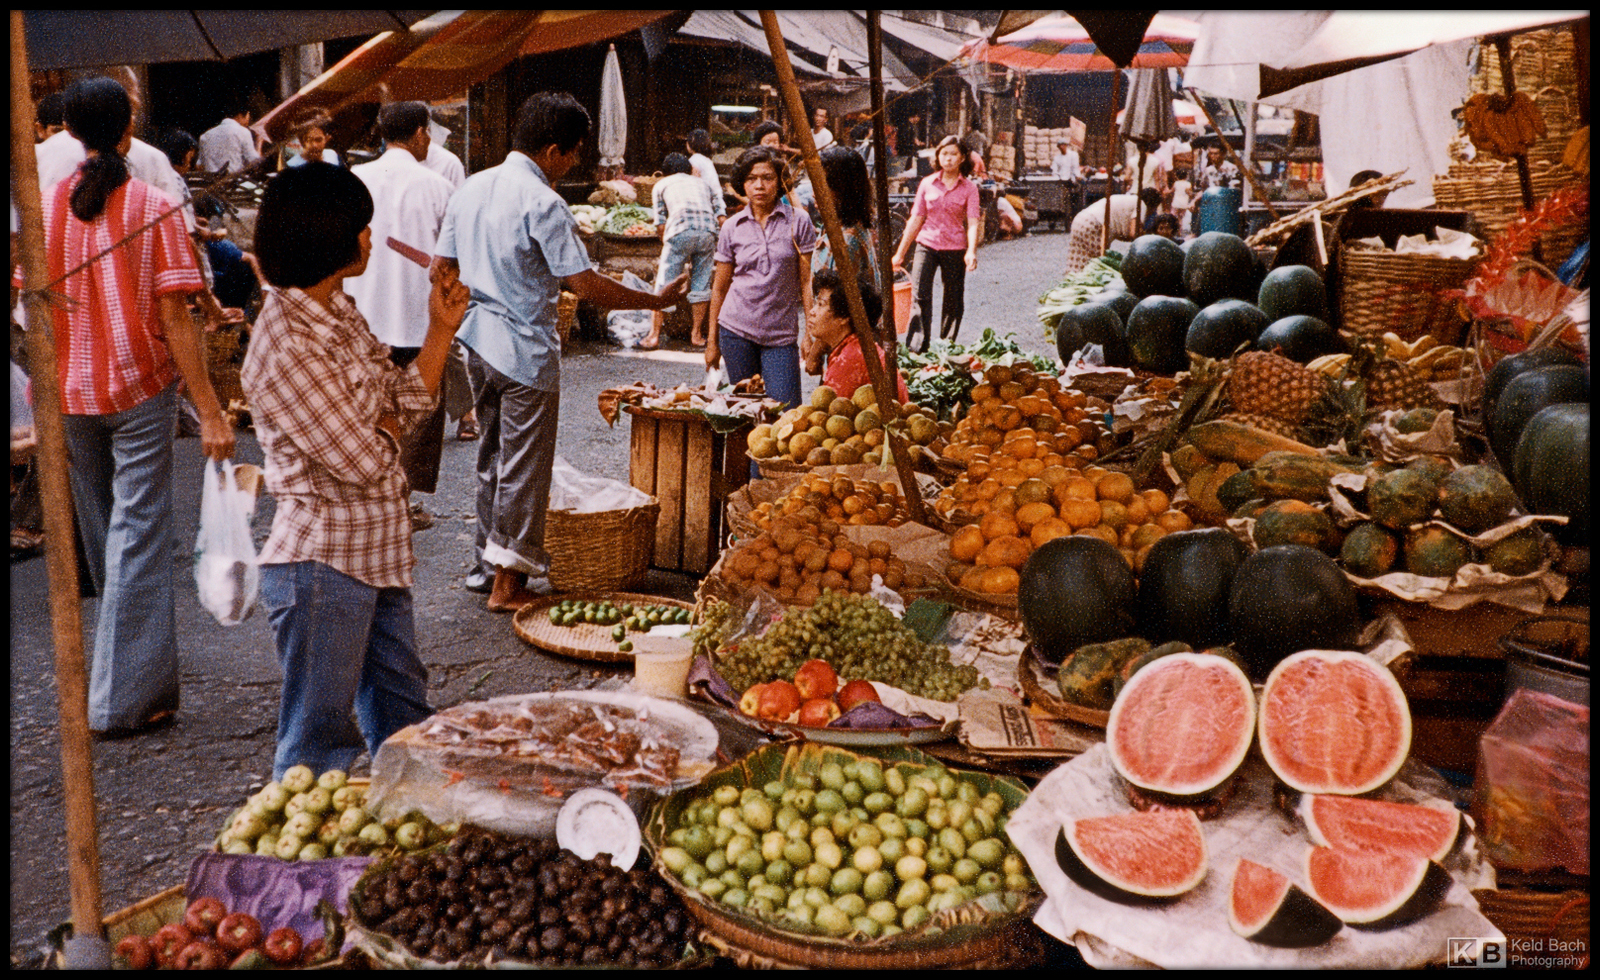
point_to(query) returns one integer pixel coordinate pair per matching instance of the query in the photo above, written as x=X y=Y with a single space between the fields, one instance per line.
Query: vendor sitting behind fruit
x=846 y=368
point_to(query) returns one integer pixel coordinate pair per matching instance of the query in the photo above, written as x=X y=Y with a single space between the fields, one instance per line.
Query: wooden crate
x=691 y=470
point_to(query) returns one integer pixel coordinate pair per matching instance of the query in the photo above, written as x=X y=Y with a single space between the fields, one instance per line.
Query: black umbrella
x=88 y=38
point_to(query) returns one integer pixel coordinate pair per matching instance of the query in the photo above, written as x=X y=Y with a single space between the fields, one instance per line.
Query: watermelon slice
x=1333 y=721
x=1266 y=907
x=1134 y=857
x=1182 y=725
x=1375 y=891
x=1354 y=824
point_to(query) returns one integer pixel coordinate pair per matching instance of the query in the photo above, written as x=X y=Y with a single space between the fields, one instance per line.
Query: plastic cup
x=661 y=666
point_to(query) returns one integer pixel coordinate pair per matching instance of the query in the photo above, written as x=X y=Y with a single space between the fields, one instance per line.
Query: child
x=830 y=324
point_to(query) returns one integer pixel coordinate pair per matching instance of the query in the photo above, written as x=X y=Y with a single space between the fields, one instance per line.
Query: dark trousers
x=951 y=265
x=422 y=448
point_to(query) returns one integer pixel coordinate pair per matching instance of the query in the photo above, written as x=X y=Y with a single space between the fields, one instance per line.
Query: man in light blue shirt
x=513 y=241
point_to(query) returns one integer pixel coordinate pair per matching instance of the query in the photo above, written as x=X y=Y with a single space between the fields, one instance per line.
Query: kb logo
x=1476 y=953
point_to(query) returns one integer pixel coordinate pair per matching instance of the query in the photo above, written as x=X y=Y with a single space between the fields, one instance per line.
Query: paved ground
x=162 y=797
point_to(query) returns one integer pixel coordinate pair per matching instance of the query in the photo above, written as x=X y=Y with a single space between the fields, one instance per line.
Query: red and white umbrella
x=1063 y=44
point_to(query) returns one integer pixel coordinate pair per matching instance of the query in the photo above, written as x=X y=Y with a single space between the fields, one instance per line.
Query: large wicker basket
x=1385 y=291
x=1492 y=191
x=1532 y=919
x=603 y=551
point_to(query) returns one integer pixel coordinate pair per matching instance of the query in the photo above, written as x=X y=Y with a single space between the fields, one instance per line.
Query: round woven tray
x=1036 y=687
x=584 y=641
x=1527 y=915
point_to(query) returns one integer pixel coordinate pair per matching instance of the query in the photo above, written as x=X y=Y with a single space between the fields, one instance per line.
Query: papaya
x=1187 y=459
x=1223 y=439
x=1520 y=554
x=1416 y=420
x=1476 y=498
x=1435 y=468
x=1402 y=498
x=1434 y=552
x=1236 y=491
x=1293 y=522
x=1283 y=475
x=1138 y=662
x=1089 y=677
x=1369 y=550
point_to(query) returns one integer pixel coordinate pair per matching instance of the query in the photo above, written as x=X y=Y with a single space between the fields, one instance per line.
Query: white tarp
x=1386 y=117
x=814 y=36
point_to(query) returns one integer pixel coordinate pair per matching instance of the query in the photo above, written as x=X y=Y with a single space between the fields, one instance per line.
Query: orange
x=981 y=393
x=988 y=488
x=1146 y=535
x=1025 y=447
x=1068 y=439
x=1006 y=418
x=1013 y=478
x=1080 y=488
x=1053 y=474
x=1156 y=500
x=972 y=580
x=1032 y=491
x=1080 y=513
x=1138 y=510
x=1048 y=530
x=978 y=469
x=997 y=374
x=1086 y=452
x=1174 y=520
x=1106 y=534
x=841 y=560
x=1004 y=502
x=1113 y=515
x=997 y=525
x=1028 y=515
x=1008 y=552
x=1115 y=486
x=1012 y=392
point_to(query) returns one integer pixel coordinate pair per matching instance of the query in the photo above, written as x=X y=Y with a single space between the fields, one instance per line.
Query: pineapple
x=1395 y=385
x=1273 y=386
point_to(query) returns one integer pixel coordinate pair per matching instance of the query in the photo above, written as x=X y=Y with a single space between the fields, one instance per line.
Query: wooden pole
x=883 y=242
x=1227 y=148
x=1113 y=152
x=88 y=948
x=881 y=383
x=1508 y=81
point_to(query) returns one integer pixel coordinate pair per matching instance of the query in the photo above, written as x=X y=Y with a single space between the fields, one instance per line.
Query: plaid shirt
x=318 y=382
x=683 y=203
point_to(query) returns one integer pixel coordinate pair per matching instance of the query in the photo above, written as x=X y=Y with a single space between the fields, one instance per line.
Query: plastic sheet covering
x=1533 y=785
x=612 y=127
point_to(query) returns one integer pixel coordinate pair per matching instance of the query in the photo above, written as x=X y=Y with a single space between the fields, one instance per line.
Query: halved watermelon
x=1370 y=890
x=1266 y=907
x=1354 y=824
x=1333 y=721
x=1182 y=725
x=1149 y=856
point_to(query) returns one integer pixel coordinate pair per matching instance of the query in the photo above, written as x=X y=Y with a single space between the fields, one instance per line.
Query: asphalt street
x=162 y=797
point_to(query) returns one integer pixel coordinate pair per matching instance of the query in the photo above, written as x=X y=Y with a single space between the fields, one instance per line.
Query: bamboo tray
x=1036 y=687
x=584 y=641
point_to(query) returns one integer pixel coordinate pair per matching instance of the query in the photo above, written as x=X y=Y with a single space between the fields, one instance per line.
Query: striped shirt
x=318 y=382
x=111 y=346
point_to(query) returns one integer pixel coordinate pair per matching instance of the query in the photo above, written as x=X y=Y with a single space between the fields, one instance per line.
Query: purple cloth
x=945 y=212
x=763 y=304
x=277 y=893
x=869 y=715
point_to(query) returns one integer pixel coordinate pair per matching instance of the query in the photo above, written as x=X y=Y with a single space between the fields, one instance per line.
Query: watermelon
x=1184 y=586
x=1118 y=298
x=1220 y=328
x=1074 y=591
x=1333 y=721
x=1524 y=396
x=1375 y=891
x=1551 y=467
x=1069 y=338
x=1355 y=824
x=1158 y=328
x=1136 y=857
x=1300 y=338
x=1096 y=323
x=1293 y=290
x=1509 y=367
x=1217 y=265
x=1289 y=598
x=1153 y=267
x=1182 y=725
x=1266 y=907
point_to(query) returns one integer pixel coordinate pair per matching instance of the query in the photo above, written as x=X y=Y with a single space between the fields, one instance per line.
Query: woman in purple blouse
x=762 y=283
x=944 y=225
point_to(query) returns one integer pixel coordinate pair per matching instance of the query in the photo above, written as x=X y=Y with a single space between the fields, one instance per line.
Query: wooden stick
x=1112 y=153
x=1328 y=206
x=880 y=180
x=1227 y=148
x=72 y=684
x=1508 y=81
x=886 y=391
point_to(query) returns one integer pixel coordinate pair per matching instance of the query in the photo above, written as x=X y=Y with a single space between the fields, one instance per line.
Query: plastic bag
x=629 y=327
x=1533 y=785
x=226 y=569
x=580 y=493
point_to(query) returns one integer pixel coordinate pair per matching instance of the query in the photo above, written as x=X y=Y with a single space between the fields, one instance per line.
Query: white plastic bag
x=628 y=327
x=226 y=569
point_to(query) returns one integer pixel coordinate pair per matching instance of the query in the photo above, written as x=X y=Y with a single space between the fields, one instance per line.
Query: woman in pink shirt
x=944 y=225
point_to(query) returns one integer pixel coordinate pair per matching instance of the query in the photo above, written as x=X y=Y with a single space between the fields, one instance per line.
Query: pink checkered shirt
x=318 y=382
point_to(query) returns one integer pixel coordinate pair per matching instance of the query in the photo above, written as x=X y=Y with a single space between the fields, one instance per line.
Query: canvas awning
x=814 y=37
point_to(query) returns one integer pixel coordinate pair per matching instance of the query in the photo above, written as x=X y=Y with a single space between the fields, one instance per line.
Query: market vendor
x=330 y=409
x=1085 y=242
x=831 y=326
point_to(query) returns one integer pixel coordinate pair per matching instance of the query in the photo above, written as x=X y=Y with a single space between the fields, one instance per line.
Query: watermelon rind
x=1292 y=919
x=1198 y=767
x=1337 y=776
x=1144 y=886
x=1356 y=824
x=1400 y=889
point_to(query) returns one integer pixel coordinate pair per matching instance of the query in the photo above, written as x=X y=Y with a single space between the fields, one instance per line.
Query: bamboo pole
x=883 y=242
x=1113 y=152
x=881 y=383
x=88 y=948
x=1508 y=81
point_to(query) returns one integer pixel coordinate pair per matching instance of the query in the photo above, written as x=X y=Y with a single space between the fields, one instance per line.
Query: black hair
x=550 y=119
x=1164 y=219
x=846 y=173
x=966 y=154
x=98 y=112
x=766 y=127
x=760 y=154
x=399 y=121
x=1363 y=177
x=177 y=144
x=310 y=222
x=1151 y=197
x=871 y=300
x=233 y=103
x=676 y=163
x=48 y=111
x=860 y=132
x=700 y=142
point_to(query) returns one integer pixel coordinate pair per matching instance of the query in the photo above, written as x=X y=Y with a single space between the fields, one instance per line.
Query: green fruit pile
x=859 y=639
x=624 y=617
x=307 y=817
x=857 y=850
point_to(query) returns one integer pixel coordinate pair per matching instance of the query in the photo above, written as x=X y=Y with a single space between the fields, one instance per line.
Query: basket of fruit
x=804 y=880
x=306 y=817
x=595 y=626
x=168 y=931
x=836 y=431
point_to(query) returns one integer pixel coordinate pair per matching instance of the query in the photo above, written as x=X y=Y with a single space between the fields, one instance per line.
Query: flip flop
x=466 y=430
x=646 y=345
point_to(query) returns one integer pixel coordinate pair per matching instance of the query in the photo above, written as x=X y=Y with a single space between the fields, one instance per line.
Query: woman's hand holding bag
x=226 y=569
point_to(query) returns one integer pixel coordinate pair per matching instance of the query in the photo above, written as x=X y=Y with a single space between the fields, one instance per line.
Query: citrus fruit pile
x=839 y=499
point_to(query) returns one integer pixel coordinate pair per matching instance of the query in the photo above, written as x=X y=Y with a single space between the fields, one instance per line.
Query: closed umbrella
x=1150 y=119
x=611 y=138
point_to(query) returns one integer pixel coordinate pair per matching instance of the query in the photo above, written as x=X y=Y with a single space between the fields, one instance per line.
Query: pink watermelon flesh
x=1372 y=890
x=1156 y=855
x=1182 y=725
x=1353 y=824
x=1334 y=722
x=1266 y=907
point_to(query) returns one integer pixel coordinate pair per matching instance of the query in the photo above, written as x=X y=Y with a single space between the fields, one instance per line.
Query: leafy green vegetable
x=624 y=216
x=944 y=377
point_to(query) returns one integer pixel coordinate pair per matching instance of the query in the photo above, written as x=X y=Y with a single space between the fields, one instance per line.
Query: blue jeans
x=779 y=367
x=695 y=249
x=342 y=644
x=121 y=471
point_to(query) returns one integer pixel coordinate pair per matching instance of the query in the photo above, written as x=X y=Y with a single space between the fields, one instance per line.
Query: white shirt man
x=1065 y=164
x=446 y=164
x=59 y=156
x=228 y=147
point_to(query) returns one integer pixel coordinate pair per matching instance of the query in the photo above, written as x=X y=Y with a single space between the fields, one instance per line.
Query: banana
x=1426 y=342
x=1395 y=347
x=1329 y=364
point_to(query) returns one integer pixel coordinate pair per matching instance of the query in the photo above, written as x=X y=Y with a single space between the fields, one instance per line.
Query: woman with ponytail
x=124 y=338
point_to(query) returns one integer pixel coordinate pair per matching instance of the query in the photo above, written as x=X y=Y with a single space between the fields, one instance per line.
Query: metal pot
x=1549 y=654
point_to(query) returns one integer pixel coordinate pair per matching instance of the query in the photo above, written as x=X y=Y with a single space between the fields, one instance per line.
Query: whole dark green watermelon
x=1118 y=298
x=1524 y=396
x=1551 y=468
x=1300 y=338
x=1217 y=265
x=1293 y=290
x=1074 y=591
x=1086 y=323
x=1184 y=586
x=1158 y=328
x=1511 y=366
x=1153 y=267
x=1286 y=599
x=1218 y=330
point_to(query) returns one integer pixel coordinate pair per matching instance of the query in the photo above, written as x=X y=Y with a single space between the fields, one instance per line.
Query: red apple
x=238 y=932
x=856 y=692
x=201 y=955
x=135 y=951
x=202 y=916
x=779 y=700
x=750 y=703
x=817 y=712
x=314 y=951
x=283 y=946
x=816 y=679
x=168 y=942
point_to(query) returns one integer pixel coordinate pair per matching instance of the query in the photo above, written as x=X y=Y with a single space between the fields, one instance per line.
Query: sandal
x=467 y=430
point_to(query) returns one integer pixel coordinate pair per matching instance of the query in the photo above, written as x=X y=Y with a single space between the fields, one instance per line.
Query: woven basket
x=566 y=315
x=1492 y=191
x=1384 y=291
x=1526 y=916
x=645 y=188
x=603 y=551
x=223 y=364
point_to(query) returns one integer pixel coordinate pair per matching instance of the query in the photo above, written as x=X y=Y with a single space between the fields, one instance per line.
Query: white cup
x=661 y=665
